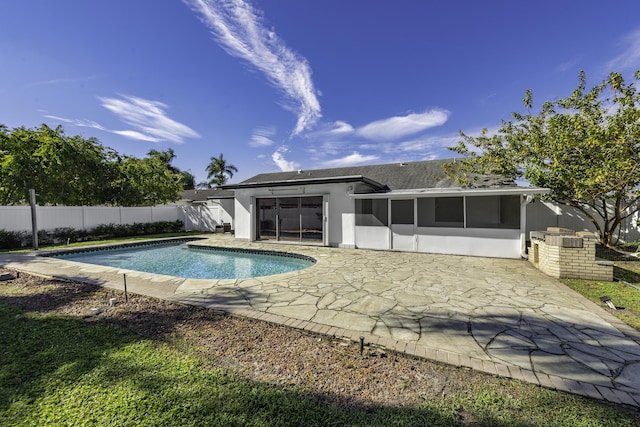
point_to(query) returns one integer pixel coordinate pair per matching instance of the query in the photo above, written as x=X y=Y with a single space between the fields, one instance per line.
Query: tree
x=585 y=148
x=144 y=182
x=62 y=169
x=218 y=170
x=72 y=170
x=186 y=179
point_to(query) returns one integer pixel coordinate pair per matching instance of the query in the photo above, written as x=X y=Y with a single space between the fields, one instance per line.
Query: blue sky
x=291 y=84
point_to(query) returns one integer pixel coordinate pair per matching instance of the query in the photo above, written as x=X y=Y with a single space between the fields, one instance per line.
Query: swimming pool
x=196 y=262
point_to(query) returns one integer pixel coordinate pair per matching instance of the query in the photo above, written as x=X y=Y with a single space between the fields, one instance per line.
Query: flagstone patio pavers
x=499 y=316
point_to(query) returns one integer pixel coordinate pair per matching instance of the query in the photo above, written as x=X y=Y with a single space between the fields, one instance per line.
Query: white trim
x=447 y=192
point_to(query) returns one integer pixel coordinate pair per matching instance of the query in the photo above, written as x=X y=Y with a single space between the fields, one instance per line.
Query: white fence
x=543 y=214
x=202 y=218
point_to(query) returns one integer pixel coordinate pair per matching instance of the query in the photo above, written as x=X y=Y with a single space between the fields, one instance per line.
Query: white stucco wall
x=338 y=210
x=498 y=243
x=243 y=212
x=373 y=237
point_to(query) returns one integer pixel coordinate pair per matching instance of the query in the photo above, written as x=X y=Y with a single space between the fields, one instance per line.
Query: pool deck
x=499 y=316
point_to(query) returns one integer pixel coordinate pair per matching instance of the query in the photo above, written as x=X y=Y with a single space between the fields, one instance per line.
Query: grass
x=67 y=370
x=625 y=298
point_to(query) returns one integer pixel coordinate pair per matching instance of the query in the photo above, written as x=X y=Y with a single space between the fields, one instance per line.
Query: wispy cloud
x=78 y=122
x=238 y=27
x=569 y=65
x=424 y=147
x=401 y=126
x=352 y=159
x=148 y=119
x=340 y=128
x=385 y=130
x=284 y=164
x=62 y=81
x=262 y=137
x=629 y=58
x=428 y=144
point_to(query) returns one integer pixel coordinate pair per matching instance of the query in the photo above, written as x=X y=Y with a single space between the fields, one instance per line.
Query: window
x=402 y=212
x=441 y=212
x=510 y=211
x=372 y=212
x=493 y=212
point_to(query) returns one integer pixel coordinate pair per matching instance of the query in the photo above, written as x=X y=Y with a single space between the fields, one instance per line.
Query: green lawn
x=626 y=298
x=69 y=370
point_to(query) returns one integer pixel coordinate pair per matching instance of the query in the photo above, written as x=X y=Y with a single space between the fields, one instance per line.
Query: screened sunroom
x=483 y=222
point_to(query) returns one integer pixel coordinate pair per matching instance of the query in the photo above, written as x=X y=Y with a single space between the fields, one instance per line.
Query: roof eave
x=453 y=192
x=220 y=197
x=307 y=181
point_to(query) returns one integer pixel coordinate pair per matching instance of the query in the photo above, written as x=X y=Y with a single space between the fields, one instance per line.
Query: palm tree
x=218 y=170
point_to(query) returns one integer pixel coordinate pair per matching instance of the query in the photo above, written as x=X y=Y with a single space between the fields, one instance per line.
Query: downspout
x=523 y=224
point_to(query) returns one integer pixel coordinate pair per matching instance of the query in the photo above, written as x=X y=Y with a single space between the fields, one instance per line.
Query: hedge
x=20 y=239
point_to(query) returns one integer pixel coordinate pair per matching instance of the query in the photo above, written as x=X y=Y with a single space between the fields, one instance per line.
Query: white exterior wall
x=338 y=210
x=373 y=237
x=244 y=215
x=500 y=243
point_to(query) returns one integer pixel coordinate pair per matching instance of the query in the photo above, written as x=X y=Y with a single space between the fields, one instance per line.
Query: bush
x=19 y=239
x=12 y=239
x=161 y=227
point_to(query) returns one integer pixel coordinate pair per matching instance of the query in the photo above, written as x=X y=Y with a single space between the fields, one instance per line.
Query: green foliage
x=13 y=239
x=218 y=170
x=137 y=229
x=584 y=148
x=74 y=171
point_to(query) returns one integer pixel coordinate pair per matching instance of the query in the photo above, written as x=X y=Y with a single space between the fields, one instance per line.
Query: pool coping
x=184 y=284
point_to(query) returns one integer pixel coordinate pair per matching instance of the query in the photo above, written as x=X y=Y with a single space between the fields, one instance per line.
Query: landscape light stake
x=126 y=298
x=361 y=345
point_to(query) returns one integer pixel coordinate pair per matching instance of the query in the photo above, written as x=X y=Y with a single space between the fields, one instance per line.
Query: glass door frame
x=282 y=223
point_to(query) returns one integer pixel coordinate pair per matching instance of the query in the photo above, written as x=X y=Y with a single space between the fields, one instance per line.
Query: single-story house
x=411 y=206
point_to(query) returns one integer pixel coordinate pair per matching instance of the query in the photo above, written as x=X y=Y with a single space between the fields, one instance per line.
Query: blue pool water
x=179 y=260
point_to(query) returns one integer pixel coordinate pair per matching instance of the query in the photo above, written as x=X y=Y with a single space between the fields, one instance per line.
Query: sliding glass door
x=290 y=218
x=311 y=218
x=266 y=219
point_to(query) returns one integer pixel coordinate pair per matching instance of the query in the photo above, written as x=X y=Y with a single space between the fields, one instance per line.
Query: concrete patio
x=498 y=316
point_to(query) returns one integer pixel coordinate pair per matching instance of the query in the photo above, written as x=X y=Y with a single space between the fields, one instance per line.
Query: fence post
x=34 y=219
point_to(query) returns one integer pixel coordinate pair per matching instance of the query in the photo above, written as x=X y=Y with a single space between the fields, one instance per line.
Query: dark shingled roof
x=392 y=176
